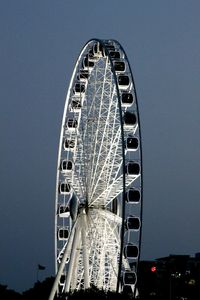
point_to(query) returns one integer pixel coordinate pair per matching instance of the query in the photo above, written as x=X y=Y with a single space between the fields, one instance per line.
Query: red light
x=153 y=269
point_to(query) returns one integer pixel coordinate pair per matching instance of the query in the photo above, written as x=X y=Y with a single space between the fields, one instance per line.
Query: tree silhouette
x=40 y=290
x=7 y=294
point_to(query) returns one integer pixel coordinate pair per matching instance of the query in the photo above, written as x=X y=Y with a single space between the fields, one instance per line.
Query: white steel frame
x=93 y=255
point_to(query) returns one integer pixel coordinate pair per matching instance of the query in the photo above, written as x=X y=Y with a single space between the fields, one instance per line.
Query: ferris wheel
x=98 y=207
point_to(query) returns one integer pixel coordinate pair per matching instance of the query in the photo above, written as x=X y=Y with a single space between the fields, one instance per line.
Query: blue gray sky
x=39 y=44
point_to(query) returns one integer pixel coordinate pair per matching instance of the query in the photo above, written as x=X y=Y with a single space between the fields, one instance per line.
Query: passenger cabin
x=130 y=119
x=119 y=66
x=123 y=81
x=127 y=99
x=110 y=47
x=64 y=188
x=98 y=50
x=76 y=105
x=132 y=196
x=79 y=88
x=83 y=75
x=129 y=278
x=115 y=54
x=132 y=168
x=87 y=63
x=131 y=251
x=63 y=234
x=132 y=223
x=92 y=56
x=72 y=124
x=63 y=211
x=66 y=166
x=68 y=144
x=132 y=144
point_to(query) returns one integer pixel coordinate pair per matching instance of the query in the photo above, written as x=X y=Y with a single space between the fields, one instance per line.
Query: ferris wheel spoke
x=85 y=252
x=117 y=239
x=98 y=259
x=104 y=138
x=113 y=161
x=102 y=125
x=77 y=185
x=76 y=267
x=112 y=252
x=85 y=153
x=97 y=251
x=72 y=256
x=110 y=144
x=113 y=190
x=107 y=215
x=107 y=163
x=81 y=258
x=63 y=261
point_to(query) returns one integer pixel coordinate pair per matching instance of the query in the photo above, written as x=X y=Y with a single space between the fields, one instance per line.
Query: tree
x=7 y=294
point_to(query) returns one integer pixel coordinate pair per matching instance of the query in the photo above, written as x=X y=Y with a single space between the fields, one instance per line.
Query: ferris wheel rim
x=141 y=152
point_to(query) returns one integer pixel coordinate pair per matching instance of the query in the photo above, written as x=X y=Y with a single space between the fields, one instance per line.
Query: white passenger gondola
x=79 y=88
x=127 y=99
x=64 y=188
x=92 y=56
x=132 y=143
x=68 y=144
x=119 y=66
x=63 y=211
x=98 y=50
x=66 y=166
x=131 y=251
x=130 y=119
x=87 y=64
x=132 y=196
x=132 y=223
x=129 y=278
x=123 y=81
x=76 y=104
x=71 y=124
x=63 y=233
x=83 y=75
x=132 y=168
x=115 y=54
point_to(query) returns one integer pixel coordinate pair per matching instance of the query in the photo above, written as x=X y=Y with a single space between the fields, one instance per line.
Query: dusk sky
x=40 y=41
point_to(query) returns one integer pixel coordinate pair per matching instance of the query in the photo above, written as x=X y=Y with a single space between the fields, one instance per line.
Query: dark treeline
x=41 y=290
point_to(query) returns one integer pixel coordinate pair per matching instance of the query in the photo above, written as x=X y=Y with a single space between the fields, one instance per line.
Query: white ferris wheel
x=98 y=207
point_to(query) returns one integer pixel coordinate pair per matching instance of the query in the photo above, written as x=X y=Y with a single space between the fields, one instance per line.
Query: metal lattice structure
x=98 y=213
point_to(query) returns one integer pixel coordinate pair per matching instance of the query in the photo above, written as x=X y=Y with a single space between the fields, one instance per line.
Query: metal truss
x=97 y=239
